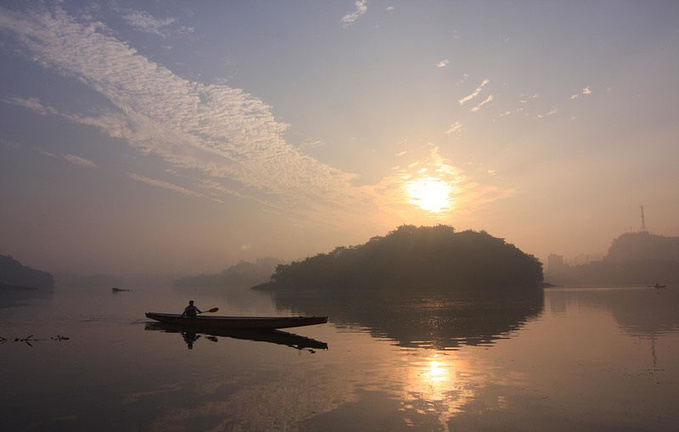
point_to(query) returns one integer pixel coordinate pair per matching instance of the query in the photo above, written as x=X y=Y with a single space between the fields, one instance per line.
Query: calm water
x=588 y=359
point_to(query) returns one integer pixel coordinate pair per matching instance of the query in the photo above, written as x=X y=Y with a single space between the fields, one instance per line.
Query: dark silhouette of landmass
x=71 y=280
x=243 y=274
x=430 y=258
x=633 y=259
x=643 y=246
x=419 y=286
x=15 y=275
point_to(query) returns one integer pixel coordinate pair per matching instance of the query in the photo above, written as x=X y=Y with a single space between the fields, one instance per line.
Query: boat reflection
x=191 y=335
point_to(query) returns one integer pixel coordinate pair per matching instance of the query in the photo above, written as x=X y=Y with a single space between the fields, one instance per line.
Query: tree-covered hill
x=243 y=274
x=15 y=274
x=637 y=258
x=424 y=257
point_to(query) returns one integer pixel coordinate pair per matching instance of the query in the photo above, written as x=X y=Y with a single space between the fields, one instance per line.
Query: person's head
x=191 y=302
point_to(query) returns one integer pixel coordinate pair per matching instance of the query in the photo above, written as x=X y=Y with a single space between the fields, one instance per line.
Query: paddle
x=211 y=310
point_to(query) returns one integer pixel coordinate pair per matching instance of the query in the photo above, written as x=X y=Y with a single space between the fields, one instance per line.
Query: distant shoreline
x=6 y=287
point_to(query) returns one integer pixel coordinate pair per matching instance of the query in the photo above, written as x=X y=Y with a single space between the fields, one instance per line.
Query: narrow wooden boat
x=236 y=322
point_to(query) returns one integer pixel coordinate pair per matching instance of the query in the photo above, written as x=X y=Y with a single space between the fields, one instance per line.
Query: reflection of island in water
x=191 y=335
x=436 y=320
x=421 y=286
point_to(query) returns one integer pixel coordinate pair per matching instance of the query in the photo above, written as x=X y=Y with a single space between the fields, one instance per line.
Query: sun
x=429 y=193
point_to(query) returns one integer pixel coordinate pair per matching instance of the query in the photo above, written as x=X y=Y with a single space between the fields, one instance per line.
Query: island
x=415 y=258
x=422 y=287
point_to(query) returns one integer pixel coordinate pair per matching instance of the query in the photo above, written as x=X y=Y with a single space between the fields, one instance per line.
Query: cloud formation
x=486 y=101
x=361 y=8
x=442 y=63
x=218 y=131
x=455 y=127
x=475 y=93
x=77 y=160
x=163 y=184
x=585 y=91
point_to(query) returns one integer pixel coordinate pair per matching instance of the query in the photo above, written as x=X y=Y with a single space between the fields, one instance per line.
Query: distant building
x=555 y=264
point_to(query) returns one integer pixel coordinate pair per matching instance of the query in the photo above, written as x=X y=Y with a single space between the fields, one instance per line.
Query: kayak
x=236 y=322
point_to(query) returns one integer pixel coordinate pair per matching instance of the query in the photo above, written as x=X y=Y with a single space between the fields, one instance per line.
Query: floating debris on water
x=29 y=339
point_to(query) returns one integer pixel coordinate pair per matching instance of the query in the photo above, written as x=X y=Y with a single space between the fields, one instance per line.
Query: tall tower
x=643 y=221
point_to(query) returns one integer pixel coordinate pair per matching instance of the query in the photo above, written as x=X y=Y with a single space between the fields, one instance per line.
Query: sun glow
x=429 y=193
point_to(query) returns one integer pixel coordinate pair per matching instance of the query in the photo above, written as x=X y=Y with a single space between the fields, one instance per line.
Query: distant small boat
x=115 y=289
x=236 y=322
x=658 y=286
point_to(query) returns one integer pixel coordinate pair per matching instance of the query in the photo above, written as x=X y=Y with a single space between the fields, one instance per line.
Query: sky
x=177 y=137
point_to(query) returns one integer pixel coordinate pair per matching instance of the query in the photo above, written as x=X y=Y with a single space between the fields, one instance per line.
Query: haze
x=180 y=137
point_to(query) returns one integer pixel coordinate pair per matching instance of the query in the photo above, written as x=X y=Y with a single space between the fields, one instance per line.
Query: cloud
x=455 y=127
x=553 y=111
x=32 y=104
x=361 y=8
x=145 y=22
x=487 y=100
x=475 y=93
x=77 y=160
x=163 y=184
x=584 y=92
x=210 y=131
x=442 y=63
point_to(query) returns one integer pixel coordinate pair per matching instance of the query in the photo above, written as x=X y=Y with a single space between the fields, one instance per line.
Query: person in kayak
x=191 y=311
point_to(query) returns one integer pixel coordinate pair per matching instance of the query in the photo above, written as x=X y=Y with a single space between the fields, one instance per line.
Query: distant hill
x=643 y=246
x=15 y=274
x=419 y=258
x=71 y=280
x=243 y=274
x=633 y=259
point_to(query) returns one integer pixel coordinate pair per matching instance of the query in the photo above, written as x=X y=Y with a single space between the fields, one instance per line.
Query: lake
x=571 y=358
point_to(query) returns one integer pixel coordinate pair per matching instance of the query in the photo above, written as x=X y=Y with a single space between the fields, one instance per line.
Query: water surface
x=593 y=359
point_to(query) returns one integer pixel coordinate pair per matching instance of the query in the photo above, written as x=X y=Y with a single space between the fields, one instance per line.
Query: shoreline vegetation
x=423 y=258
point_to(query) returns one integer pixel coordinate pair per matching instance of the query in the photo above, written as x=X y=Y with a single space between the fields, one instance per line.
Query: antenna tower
x=643 y=221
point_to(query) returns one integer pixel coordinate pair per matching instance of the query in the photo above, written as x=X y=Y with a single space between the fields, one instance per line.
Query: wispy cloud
x=442 y=63
x=455 y=127
x=553 y=111
x=584 y=92
x=33 y=104
x=163 y=27
x=211 y=131
x=163 y=184
x=475 y=93
x=486 y=101
x=77 y=160
x=361 y=8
